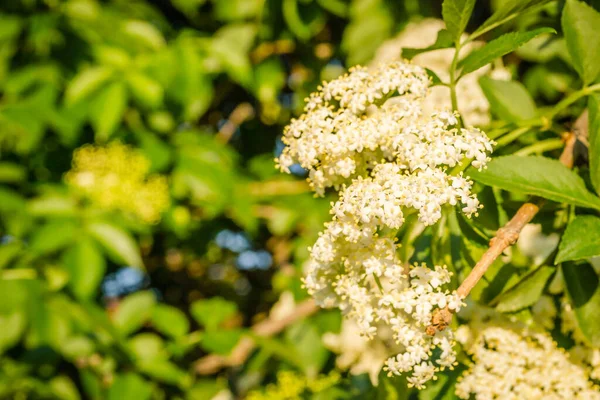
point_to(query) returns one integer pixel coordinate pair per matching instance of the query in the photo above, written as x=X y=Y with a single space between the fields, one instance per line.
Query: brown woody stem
x=505 y=237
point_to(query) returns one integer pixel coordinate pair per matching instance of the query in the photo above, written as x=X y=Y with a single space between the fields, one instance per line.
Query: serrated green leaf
x=537 y=176
x=107 y=110
x=497 y=48
x=509 y=100
x=443 y=40
x=170 y=321
x=508 y=10
x=118 y=243
x=133 y=312
x=86 y=266
x=580 y=239
x=584 y=292
x=580 y=26
x=526 y=292
x=456 y=15
x=210 y=313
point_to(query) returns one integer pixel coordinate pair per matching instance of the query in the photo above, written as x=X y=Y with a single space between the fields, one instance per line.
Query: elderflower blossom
x=522 y=364
x=116 y=177
x=473 y=105
x=366 y=135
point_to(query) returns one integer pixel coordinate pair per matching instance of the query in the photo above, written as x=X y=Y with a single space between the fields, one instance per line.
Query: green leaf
x=9 y=251
x=53 y=236
x=147 y=346
x=507 y=10
x=303 y=25
x=85 y=83
x=306 y=340
x=64 y=388
x=51 y=206
x=509 y=100
x=107 y=110
x=117 y=242
x=497 y=48
x=129 y=386
x=170 y=321
x=133 y=312
x=594 y=139
x=145 y=90
x=444 y=40
x=526 y=292
x=584 y=292
x=456 y=15
x=13 y=327
x=580 y=24
x=86 y=267
x=11 y=172
x=580 y=239
x=537 y=176
x=212 y=312
x=165 y=371
x=220 y=342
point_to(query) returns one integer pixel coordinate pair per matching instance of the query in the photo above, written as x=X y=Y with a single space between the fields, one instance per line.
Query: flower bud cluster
x=366 y=135
x=116 y=177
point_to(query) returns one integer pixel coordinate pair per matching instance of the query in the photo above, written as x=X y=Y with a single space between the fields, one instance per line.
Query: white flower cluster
x=473 y=106
x=513 y=364
x=366 y=135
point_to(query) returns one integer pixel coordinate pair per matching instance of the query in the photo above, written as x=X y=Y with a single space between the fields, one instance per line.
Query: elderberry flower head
x=522 y=364
x=366 y=135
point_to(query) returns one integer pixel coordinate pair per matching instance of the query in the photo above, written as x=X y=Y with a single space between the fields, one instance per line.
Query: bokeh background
x=143 y=224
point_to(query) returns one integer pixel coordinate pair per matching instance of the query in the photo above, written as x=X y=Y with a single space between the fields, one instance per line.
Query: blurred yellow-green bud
x=116 y=177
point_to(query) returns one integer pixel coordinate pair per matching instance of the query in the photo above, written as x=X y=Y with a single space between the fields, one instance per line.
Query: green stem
x=540 y=147
x=511 y=136
x=453 y=82
x=572 y=98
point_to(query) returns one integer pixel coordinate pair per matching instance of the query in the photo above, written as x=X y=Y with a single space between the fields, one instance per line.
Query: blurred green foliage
x=200 y=89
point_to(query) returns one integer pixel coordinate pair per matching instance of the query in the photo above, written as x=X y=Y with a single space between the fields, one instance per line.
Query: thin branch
x=213 y=362
x=505 y=237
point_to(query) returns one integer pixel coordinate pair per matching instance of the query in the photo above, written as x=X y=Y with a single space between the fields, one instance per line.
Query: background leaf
x=133 y=312
x=509 y=100
x=584 y=292
x=580 y=239
x=86 y=267
x=580 y=26
x=117 y=242
x=526 y=292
